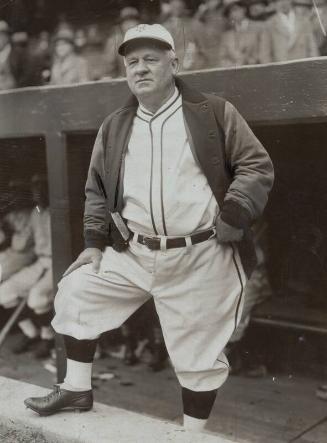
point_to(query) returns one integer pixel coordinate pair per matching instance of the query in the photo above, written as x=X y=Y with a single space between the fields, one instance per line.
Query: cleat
x=61 y=400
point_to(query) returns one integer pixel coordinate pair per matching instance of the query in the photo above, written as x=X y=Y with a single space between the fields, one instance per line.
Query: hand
x=89 y=255
x=227 y=233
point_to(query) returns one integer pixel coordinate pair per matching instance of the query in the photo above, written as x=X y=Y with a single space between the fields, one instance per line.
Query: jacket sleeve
x=251 y=169
x=95 y=217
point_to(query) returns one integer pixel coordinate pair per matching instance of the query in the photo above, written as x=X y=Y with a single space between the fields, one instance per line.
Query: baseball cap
x=147 y=32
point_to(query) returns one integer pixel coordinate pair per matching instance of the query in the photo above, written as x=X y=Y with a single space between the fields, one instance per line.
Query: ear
x=175 y=65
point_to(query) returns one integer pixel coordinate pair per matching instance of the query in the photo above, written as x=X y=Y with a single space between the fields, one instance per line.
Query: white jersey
x=165 y=190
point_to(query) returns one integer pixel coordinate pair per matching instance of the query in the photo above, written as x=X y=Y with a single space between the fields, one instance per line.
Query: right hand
x=89 y=255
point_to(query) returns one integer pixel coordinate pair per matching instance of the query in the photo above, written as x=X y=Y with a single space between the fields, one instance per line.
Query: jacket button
x=204 y=107
x=212 y=134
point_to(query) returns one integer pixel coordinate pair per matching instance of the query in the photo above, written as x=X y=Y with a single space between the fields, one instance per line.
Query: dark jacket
x=238 y=169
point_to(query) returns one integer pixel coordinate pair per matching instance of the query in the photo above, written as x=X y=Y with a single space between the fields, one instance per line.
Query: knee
x=39 y=300
x=73 y=282
x=8 y=296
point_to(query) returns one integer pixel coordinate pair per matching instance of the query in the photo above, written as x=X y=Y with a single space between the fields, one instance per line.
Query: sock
x=78 y=376
x=47 y=333
x=194 y=424
x=80 y=350
x=197 y=406
x=28 y=328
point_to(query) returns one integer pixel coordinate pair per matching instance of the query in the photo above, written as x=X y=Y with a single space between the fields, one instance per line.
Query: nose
x=141 y=67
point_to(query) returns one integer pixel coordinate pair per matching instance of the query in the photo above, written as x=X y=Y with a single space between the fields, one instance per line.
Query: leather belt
x=154 y=243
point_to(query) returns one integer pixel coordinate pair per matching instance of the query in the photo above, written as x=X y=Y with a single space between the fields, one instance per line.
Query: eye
x=131 y=62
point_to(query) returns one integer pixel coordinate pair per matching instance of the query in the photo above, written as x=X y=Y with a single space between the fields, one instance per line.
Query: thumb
x=96 y=261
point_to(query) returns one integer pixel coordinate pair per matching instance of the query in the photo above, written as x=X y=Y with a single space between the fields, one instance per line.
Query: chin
x=144 y=88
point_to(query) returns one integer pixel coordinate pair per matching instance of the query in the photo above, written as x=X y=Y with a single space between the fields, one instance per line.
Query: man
x=16 y=67
x=129 y=17
x=34 y=281
x=157 y=180
x=189 y=36
x=287 y=36
x=210 y=14
x=68 y=67
x=240 y=43
x=18 y=252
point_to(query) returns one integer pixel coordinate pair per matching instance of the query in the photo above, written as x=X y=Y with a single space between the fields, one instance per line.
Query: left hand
x=227 y=233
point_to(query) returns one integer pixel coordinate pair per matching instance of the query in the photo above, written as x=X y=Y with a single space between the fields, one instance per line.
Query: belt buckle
x=152 y=243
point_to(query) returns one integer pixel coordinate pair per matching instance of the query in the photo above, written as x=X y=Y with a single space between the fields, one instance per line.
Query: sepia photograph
x=163 y=221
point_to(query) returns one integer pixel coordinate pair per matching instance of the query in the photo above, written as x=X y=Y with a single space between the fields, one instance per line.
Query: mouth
x=143 y=80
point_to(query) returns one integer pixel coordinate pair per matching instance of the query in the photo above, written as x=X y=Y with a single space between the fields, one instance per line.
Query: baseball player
x=34 y=281
x=175 y=181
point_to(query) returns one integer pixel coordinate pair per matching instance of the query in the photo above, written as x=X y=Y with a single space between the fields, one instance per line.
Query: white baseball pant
x=198 y=294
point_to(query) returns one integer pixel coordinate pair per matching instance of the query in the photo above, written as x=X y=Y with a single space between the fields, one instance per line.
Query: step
x=104 y=424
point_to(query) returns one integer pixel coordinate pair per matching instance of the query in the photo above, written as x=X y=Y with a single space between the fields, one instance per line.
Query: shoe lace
x=53 y=394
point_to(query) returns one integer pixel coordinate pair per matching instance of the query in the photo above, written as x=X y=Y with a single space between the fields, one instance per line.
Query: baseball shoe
x=24 y=344
x=59 y=400
x=43 y=349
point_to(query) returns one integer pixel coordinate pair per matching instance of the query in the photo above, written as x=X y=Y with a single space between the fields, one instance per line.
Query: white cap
x=147 y=32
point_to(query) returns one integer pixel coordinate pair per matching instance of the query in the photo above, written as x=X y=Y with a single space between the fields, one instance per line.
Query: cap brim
x=123 y=46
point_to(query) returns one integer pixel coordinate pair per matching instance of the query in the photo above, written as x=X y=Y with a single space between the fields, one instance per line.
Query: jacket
x=73 y=69
x=240 y=46
x=238 y=169
x=277 y=44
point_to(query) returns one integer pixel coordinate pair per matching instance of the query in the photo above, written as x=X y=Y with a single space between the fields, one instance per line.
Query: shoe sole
x=69 y=408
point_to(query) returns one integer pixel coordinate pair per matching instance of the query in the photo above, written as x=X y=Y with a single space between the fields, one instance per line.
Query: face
x=63 y=48
x=4 y=40
x=236 y=14
x=150 y=71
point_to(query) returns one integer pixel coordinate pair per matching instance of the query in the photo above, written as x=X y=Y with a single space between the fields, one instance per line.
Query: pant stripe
x=242 y=288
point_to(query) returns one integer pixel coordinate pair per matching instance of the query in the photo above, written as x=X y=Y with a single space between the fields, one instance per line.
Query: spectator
x=128 y=18
x=210 y=13
x=93 y=54
x=14 y=63
x=34 y=281
x=318 y=19
x=80 y=41
x=189 y=36
x=40 y=52
x=19 y=252
x=240 y=43
x=67 y=66
x=287 y=35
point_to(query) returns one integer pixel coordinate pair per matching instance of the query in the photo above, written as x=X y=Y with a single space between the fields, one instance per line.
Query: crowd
x=221 y=33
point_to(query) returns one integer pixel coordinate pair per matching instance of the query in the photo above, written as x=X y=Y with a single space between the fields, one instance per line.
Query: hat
x=4 y=27
x=128 y=13
x=66 y=35
x=147 y=32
